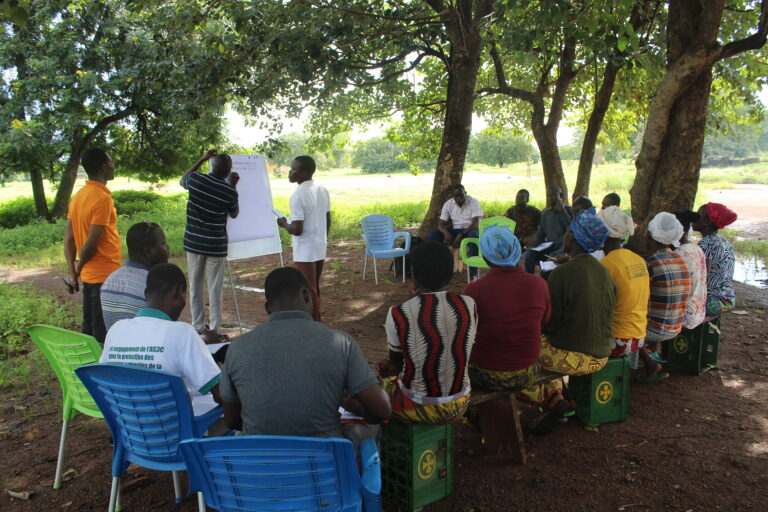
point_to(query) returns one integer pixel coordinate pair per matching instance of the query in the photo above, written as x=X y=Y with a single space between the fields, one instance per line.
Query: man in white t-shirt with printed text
x=310 y=223
x=156 y=340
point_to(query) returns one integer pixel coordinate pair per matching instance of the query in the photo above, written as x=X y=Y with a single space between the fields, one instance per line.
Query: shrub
x=131 y=202
x=18 y=212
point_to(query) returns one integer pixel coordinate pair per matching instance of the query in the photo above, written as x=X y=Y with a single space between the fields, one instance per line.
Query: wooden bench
x=499 y=419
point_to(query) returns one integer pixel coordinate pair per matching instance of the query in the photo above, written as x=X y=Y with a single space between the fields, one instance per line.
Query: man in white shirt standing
x=309 y=225
x=464 y=212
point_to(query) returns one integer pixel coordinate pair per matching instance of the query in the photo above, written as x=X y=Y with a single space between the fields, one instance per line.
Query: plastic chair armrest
x=205 y=420
x=406 y=237
x=463 y=247
x=371 y=464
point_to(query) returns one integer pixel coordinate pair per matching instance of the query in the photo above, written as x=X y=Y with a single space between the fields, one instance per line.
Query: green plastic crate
x=602 y=397
x=416 y=464
x=695 y=351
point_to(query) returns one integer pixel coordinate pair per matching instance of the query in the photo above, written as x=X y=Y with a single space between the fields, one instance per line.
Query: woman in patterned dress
x=721 y=258
x=696 y=261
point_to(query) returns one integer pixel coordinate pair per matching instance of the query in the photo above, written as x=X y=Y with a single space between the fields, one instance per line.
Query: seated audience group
x=293 y=375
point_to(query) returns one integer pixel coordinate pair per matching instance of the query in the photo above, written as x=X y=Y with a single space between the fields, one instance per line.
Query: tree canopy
x=150 y=80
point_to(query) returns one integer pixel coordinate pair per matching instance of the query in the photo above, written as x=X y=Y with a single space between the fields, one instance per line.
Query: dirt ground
x=690 y=443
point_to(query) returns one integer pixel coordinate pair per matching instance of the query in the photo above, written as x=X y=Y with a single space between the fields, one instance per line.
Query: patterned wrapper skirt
x=405 y=410
x=561 y=361
x=717 y=305
x=491 y=380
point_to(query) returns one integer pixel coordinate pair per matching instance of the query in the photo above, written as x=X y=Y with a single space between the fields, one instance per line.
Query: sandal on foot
x=653 y=378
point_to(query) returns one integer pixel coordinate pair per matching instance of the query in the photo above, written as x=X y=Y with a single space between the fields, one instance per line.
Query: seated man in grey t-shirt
x=290 y=375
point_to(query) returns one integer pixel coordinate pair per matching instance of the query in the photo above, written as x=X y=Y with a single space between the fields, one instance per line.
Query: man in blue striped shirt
x=212 y=198
x=122 y=294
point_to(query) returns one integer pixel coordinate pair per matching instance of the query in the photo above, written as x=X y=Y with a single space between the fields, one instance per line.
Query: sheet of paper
x=542 y=246
x=214 y=347
x=277 y=213
x=348 y=416
x=547 y=266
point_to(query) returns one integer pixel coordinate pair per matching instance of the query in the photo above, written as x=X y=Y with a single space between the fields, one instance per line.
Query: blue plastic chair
x=149 y=413
x=250 y=473
x=380 y=236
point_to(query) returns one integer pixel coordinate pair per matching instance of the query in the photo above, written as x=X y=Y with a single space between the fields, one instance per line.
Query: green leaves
x=15 y=11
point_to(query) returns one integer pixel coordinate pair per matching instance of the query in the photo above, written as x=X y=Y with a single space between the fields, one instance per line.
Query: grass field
x=403 y=196
x=350 y=187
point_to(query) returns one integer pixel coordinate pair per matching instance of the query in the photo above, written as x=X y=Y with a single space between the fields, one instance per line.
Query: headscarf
x=666 y=229
x=619 y=223
x=720 y=215
x=589 y=231
x=591 y=210
x=500 y=246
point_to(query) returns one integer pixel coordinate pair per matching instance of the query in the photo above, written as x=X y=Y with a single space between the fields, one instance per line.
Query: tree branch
x=104 y=122
x=437 y=5
x=392 y=75
x=753 y=42
x=385 y=62
x=419 y=20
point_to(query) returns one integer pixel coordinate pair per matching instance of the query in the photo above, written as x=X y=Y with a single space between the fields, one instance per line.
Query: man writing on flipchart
x=309 y=225
x=212 y=197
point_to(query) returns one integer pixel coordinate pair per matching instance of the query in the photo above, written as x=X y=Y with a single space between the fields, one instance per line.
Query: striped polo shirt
x=435 y=333
x=670 y=286
x=122 y=294
x=210 y=201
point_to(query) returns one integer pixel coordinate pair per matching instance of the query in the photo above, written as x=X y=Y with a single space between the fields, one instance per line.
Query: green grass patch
x=22 y=306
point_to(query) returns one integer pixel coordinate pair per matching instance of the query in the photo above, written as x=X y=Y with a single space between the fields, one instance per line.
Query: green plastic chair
x=66 y=351
x=478 y=261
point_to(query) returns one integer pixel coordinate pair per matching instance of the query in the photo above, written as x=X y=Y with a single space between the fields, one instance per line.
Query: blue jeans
x=438 y=236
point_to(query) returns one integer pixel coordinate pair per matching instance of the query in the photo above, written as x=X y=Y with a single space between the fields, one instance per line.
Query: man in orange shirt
x=92 y=234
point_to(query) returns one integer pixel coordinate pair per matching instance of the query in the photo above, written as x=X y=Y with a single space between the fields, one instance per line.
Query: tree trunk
x=38 y=193
x=551 y=164
x=79 y=146
x=595 y=124
x=670 y=158
x=67 y=182
x=677 y=174
x=462 y=66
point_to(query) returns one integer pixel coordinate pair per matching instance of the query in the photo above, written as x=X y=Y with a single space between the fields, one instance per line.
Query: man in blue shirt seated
x=290 y=375
x=555 y=220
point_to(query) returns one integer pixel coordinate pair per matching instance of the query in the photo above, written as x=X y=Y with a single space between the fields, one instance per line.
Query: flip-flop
x=656 y=356
x=653 y=378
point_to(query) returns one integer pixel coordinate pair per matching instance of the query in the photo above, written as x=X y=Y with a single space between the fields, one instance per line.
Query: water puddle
x=751 y=271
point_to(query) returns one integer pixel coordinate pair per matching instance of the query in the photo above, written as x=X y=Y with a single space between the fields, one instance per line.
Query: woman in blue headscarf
x=578 y=337
x=512 y=306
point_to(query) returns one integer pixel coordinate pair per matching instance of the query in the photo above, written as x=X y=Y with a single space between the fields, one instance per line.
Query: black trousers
x=93 y=318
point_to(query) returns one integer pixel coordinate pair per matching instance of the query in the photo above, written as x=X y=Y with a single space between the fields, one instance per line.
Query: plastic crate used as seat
x=602 y=397
x=695 y=351
x=416 y=464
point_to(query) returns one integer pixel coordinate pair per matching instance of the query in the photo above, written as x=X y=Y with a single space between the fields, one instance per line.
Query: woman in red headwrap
x=721 y=258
